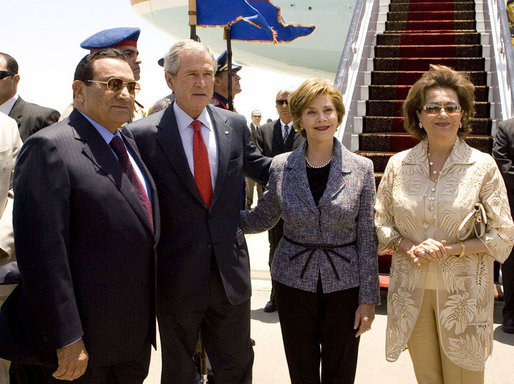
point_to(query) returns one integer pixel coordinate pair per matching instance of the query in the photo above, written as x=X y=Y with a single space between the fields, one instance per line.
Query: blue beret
x=110 y=38
x=223 y=65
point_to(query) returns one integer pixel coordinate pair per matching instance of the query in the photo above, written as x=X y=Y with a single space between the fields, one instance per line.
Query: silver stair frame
x=359 y=45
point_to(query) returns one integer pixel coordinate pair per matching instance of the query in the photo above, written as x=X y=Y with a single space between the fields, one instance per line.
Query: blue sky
x=44 y=37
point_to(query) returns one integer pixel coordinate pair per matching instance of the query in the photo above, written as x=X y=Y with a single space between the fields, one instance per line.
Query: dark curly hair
x=439 y=76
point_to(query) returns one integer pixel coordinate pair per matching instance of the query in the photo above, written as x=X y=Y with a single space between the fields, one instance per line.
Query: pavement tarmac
x=270 y=366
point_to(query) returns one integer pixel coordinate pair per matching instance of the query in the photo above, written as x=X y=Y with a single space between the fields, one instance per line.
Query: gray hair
x=172 y=58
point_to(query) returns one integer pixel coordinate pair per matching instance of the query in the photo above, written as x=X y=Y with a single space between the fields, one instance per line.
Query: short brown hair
x=303 y=96
x=439 y=76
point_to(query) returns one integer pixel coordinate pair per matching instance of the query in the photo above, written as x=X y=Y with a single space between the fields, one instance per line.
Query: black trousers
x=130 y=372
x=225 y=332
x=508 y=286
x=318 y=327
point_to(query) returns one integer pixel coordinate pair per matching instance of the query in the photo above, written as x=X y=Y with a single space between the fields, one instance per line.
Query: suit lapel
x=96 y=149
x=131 y=144
x=277 y=137
x=224 y=135
x=336 y=182
x=168 y=137
x=298 y=181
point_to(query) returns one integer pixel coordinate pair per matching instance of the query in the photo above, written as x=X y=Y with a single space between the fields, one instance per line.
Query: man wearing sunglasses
x=272 y=139
x=86 y=222
x=30 y=117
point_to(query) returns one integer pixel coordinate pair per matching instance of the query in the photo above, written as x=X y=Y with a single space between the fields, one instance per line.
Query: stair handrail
x=505 y=55
x=350 y=60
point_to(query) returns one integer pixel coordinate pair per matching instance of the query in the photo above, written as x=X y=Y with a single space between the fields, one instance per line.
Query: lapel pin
x=226 y=132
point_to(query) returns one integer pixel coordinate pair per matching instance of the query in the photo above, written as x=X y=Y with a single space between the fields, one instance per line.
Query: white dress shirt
x=186 y=131
x=7 y=106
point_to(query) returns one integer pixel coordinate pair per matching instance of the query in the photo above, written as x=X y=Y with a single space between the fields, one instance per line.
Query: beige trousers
x=431 y=365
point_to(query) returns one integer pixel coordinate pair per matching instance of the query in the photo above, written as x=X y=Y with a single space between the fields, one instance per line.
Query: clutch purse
x=476 y=221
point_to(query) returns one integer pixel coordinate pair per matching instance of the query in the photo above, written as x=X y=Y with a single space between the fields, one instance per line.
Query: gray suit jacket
x=335 y=240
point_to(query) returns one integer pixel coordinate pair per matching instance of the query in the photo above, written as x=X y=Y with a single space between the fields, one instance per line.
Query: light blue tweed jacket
x=334 y=240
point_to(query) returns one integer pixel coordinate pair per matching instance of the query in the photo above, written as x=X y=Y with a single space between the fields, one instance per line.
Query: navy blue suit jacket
x=85 y=249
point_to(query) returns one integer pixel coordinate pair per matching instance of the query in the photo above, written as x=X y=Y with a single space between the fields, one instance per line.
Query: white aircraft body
x=315 y=55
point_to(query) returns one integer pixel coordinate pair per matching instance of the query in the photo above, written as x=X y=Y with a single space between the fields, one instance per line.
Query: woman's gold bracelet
x=396 y=244
x=462 y=249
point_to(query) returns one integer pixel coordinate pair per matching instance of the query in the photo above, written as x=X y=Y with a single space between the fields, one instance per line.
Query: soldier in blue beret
x=220 y=96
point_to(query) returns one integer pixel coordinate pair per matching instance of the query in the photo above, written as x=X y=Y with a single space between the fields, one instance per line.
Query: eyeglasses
x=257 y=116
x=115 y=84
x=281 y=102
x=436 y=109
x=4 y=74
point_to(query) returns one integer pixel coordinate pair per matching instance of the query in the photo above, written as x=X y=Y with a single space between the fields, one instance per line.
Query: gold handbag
x=476 y=220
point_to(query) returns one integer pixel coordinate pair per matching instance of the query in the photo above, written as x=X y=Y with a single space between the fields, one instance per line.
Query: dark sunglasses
x=115 y=85
x=4 y=74
x=281 y=102
x=257 y=116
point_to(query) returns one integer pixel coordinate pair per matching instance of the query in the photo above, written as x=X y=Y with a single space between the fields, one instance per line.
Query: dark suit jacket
x=191 y=233
x=32 y=117
x=269 y=139
x=253 y=132
x=84 y=245
x=503 y=152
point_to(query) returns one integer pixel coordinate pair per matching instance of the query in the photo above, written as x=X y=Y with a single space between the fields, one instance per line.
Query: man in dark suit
x=503 y=152
x=273 y=139
x=30 y=117
x=85 y=232
x=250 y=184
x=196 y=154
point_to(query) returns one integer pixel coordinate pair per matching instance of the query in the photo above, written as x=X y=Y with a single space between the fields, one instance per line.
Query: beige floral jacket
x=410 y=205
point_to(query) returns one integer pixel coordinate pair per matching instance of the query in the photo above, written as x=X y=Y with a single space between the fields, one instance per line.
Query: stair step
x=412 y=51
x=428 y=6
x=423 y=63
x=431 y=15
x=394 y=108
x=378 y=158
x=386 y=142
x=410 y=77
x=376 y=124
x=430 y=25
x=396 y=142
x=428 y=38
x=399 y=92
x=432 y=1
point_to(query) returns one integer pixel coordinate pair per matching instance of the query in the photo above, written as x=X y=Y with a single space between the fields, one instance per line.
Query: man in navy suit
x=197 y=154
x=85 y=232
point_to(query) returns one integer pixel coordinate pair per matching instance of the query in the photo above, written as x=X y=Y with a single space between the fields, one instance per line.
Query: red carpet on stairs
x=419 y=33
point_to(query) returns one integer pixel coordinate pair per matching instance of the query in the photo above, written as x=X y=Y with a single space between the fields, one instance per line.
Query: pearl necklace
x=319 y=166
x=431 y=163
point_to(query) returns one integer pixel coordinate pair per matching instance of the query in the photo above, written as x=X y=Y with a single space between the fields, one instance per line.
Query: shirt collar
x=290 y=124
x=104 y=132
x=184 y=120
x=7 y=106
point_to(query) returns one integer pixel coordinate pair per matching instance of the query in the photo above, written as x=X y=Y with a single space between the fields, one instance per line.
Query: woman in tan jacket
x=440 y=299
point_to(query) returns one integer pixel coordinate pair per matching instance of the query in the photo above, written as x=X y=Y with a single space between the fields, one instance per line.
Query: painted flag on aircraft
x=282 y=32
x=227 y=12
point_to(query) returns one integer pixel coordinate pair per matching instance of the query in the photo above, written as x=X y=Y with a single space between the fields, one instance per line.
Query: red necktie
x=120 y=150
x=202 y=169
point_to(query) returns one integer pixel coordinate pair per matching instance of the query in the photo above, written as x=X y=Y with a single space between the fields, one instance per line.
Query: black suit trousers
x=318 y=327
x=225 y=330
